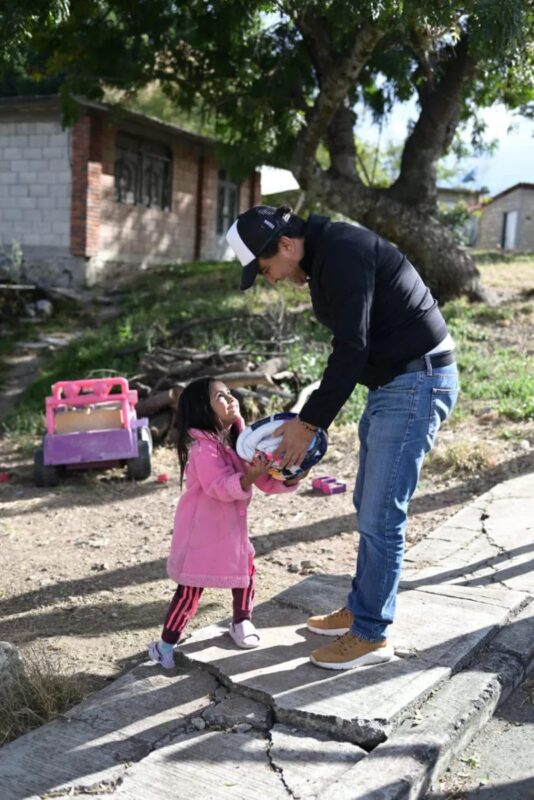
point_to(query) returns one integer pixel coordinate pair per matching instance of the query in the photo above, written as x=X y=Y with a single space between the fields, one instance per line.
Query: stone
x=44 y=308
x=11 y=665
x=198 y=723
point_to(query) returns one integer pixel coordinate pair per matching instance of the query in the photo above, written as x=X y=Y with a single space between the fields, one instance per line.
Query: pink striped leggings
x=184 y=606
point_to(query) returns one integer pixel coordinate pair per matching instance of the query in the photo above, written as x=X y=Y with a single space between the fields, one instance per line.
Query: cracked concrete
x=230 y=723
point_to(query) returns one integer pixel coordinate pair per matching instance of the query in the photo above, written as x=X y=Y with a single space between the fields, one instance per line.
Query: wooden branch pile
x=165 y=371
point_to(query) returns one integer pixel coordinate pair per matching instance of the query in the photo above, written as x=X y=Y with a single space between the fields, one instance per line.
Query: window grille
x=143 y=172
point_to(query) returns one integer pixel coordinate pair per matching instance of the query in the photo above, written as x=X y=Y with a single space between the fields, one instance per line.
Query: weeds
x=493 y=370
x=463 y=459
x=36 y=696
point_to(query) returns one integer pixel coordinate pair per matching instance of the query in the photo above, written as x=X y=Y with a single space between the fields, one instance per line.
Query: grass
x=497 y=373
x=36 y=696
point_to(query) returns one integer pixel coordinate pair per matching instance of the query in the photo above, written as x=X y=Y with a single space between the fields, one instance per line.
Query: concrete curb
x=406 y=765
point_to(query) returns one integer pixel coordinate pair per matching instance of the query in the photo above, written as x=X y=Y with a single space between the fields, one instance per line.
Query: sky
x=512 y=162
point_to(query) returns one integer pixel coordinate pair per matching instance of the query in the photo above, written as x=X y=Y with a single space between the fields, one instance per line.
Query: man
x=389 y=335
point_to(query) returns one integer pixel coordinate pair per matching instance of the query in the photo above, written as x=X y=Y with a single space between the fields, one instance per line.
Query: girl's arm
x=270 y=485
x=217 y=478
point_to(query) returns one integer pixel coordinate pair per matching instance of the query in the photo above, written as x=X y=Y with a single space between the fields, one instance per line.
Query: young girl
x=210 y=544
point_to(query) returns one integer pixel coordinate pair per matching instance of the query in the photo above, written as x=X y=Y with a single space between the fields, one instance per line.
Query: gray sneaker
x=166 y=660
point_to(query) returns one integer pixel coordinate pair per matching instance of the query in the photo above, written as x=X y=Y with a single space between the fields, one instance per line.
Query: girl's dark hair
x=294 y=228
x=194 y=411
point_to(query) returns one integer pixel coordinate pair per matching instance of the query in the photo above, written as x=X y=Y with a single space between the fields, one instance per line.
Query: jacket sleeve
x=217 y=478
x=348 y=286
x=270 y=485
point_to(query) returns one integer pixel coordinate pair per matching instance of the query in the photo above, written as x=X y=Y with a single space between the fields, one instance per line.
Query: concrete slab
x=360 y=706
x=308 y=764
x=212 y=765
x=97 y=740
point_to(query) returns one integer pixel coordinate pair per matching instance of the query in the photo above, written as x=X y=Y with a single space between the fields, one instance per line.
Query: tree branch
x=433 y=131
x=335 y=78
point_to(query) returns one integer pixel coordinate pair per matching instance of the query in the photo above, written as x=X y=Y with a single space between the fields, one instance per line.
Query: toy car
x=92 y=424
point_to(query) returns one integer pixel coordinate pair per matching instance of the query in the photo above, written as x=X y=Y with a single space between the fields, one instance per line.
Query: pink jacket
x=210 y=544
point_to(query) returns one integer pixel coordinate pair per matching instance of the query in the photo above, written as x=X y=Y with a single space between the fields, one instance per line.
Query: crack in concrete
x=275 y=768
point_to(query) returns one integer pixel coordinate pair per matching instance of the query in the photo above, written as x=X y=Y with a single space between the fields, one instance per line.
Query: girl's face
x=224 y=404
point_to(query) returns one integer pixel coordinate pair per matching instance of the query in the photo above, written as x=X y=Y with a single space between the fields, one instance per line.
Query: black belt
x=439 y=360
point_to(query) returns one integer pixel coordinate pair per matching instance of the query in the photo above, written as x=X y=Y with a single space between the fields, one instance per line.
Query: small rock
x=524 y=444
x=293 y=567
x=44 y=308
x=220 y=693
x=198 y=723
x=308 y=565
x=100 y=567
x=11 y=666
x=243 y=727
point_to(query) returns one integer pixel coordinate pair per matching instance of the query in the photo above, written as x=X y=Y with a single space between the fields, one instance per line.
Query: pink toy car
x=92 y=424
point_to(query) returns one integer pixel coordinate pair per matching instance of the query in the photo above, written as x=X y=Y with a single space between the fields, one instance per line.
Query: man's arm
x=349 y=282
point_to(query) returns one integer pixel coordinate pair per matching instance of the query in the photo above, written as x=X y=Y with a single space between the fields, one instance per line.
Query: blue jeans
x=397 y=428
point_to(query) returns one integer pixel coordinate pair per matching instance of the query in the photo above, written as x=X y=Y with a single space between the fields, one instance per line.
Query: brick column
x=86 y=189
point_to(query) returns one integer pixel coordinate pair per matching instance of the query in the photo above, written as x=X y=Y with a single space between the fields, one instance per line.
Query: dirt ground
x=83 y=564
x=83 y=575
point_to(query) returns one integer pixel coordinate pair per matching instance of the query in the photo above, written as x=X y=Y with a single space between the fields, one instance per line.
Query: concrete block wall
x=35 y=184
x=491 y=220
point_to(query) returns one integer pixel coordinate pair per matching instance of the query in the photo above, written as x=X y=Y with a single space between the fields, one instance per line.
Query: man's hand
x=292 y=449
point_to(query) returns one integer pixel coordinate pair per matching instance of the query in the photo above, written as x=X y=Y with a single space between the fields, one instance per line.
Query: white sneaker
x=166 y=660
x=244 y=634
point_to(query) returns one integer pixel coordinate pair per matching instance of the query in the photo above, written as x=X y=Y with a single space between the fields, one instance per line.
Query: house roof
x=28 y=105
x=513 y=188
x=457 y=190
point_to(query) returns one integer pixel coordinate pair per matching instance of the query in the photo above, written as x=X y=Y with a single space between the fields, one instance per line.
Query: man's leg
x=403 y=421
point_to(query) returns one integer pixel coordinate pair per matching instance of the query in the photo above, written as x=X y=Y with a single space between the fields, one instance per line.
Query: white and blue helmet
x=259 y=437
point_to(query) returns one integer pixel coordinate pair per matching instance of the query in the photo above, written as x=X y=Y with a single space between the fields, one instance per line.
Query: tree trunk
x=446 y=267
x=404 y=213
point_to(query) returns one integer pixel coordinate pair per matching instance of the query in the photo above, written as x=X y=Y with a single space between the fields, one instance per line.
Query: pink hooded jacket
x=210 y=544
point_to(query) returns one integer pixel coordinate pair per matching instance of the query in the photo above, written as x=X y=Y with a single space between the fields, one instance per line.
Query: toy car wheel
x=44 y=474
x=138 y=469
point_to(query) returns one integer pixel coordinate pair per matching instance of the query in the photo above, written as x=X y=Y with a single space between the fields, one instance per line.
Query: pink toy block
x=328 y=485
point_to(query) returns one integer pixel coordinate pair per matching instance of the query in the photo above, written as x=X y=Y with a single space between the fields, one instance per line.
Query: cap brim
x=248 y=274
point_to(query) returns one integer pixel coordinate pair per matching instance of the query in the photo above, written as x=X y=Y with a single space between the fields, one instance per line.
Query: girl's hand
x=260 y=466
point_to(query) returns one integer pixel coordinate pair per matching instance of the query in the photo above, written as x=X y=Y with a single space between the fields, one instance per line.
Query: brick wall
x=136 y=234
x=35 y=184
x=490 y=224
x=86 y=186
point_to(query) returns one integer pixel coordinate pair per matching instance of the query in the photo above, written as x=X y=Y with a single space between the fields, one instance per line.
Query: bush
x=38 y=695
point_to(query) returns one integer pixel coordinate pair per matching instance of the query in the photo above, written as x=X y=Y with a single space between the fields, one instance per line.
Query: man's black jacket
x=375 y=303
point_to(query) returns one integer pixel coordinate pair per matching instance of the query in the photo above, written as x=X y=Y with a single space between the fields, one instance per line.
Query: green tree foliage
x=277 y=81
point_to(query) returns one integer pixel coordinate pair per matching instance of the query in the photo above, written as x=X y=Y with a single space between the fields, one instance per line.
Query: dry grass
x=461 y=459
x=39 y=694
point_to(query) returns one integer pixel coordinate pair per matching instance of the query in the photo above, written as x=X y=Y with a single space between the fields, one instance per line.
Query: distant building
x=451 y=197
x=112 y=194
x=507 y=221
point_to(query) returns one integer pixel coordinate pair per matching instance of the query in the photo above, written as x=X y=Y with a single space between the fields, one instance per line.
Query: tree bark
x=405 y=213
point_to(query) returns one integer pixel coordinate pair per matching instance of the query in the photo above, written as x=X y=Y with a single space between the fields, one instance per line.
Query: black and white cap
x=251 y=233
